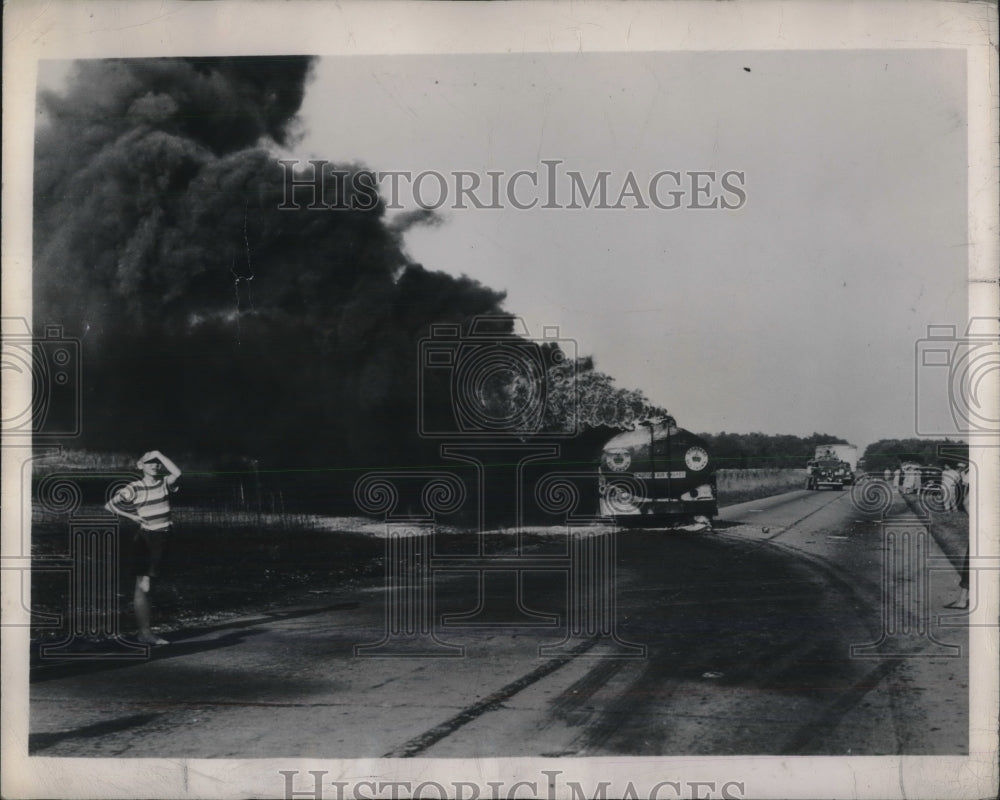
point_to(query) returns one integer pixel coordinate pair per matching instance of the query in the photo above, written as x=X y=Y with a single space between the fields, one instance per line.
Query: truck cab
x=657 y=474
x=828 y=474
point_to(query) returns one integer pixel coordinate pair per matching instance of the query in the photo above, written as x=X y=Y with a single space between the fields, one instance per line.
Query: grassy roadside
x=216 y=568
x=742 y=485
x=950 y=530
x=224 y=562
x=213 y=569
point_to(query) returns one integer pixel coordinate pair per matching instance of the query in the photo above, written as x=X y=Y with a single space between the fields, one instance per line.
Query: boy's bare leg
x=141 y=604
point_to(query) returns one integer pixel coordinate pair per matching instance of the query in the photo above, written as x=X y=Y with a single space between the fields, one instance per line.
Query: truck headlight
x=696 y=459
x=617 y=460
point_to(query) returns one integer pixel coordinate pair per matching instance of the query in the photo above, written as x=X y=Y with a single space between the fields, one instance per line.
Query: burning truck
x=657 y=474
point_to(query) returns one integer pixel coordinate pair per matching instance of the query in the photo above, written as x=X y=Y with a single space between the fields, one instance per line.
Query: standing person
x=968 y=501
x=950 y=486
x=911 y=479
x=961 y=486
x=962 y=601
x=147 y=502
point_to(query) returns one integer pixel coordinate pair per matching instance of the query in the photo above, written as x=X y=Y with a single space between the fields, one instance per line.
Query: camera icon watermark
x=956 y=380
x=498 y=381
x=585 y=614
x=52 y=364
x=906 y=619
x=89 y=618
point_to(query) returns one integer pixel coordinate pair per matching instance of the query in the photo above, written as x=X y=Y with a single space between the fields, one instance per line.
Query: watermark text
x=319 y=185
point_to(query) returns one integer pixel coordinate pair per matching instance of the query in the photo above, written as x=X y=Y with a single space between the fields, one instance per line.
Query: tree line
x=890 y=453
x=760 y=450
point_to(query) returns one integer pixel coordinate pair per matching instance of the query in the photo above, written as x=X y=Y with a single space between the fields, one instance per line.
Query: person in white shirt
x=147 y=502
x=967 y=502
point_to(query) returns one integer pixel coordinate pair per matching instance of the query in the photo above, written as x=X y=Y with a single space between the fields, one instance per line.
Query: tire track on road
x=610 y=725
x=849 y=586
x=866 y=595
x=811 y=734
x=492 y=702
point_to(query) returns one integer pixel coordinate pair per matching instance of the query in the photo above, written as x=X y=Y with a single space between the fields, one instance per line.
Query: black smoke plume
x=216 y=324
x=211 y=320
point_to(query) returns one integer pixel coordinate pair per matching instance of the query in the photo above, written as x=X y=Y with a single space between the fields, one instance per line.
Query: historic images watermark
x=498 y=401
x=48 y=368
x=954 y=377
x=955 y=382
x=321 y=185
x=501 y=382
x=906 y=630
x=549 y=785
x=908 y=564
x=90 y=565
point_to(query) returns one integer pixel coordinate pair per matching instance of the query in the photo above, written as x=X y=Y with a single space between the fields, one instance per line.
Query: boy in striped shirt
x=147 y=502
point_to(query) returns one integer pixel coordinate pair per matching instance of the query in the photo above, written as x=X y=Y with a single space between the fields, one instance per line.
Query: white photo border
x=34 y=31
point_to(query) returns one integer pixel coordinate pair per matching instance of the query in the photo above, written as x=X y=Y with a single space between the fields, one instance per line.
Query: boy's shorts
x=148 y=548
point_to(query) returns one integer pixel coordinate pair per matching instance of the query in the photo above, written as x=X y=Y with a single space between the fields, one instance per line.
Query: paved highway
x=735 y=641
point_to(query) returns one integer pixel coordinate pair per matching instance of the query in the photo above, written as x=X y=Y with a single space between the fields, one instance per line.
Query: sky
x=799 y=311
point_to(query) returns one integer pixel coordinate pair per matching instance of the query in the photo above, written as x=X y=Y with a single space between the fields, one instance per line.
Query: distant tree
x=579 y=397
x=890 y=453
x=761 y=450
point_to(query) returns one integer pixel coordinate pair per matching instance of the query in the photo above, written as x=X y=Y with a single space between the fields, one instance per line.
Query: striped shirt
x=150 y=501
